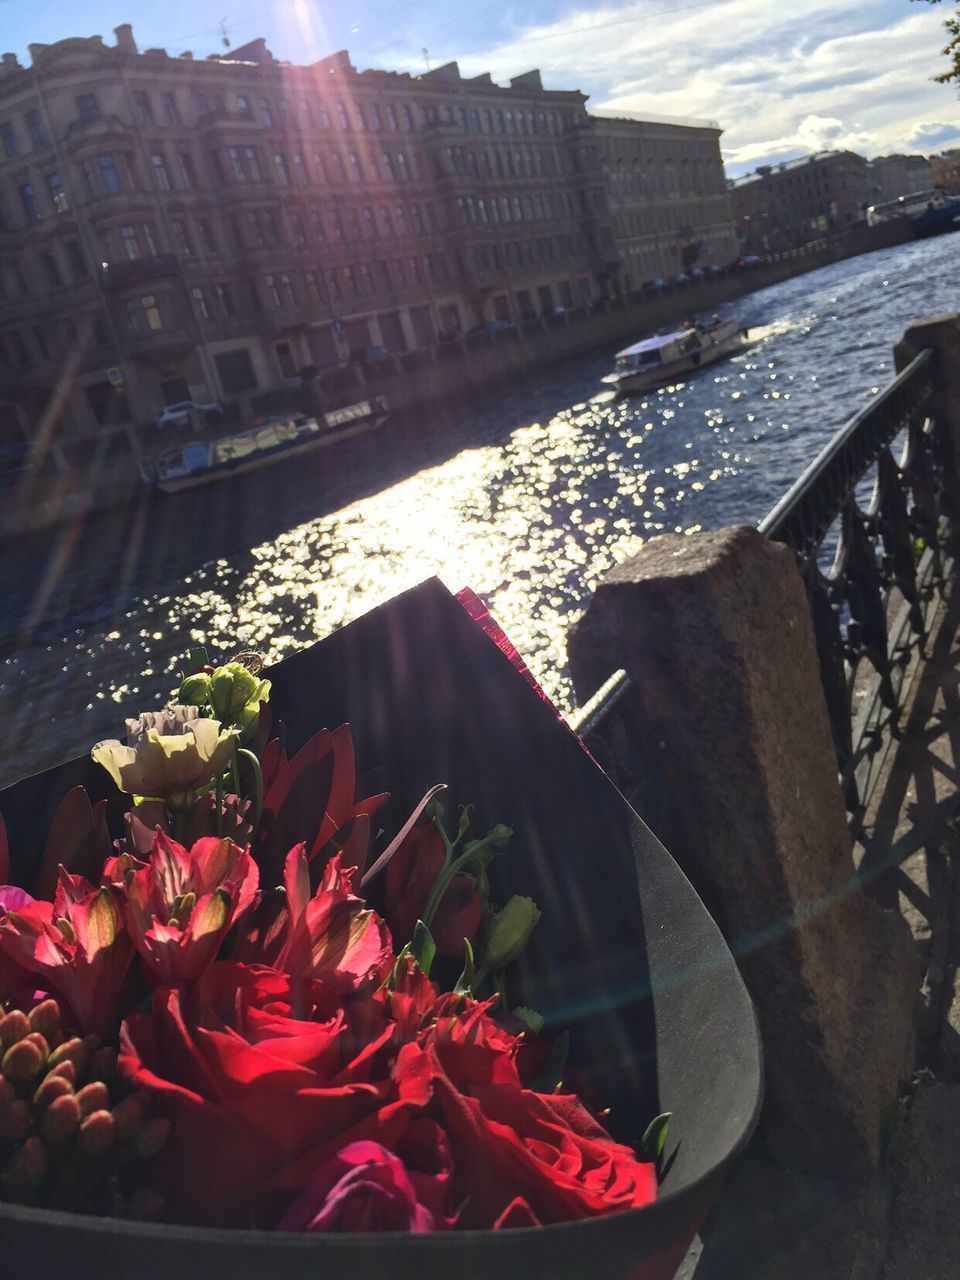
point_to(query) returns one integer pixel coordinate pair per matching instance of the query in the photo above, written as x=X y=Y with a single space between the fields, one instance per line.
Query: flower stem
x=218 y=806
x=254 y=763
x=445 y=878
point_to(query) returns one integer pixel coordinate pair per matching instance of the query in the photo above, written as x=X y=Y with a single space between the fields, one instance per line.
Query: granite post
x=941 y=334
x=715 y=633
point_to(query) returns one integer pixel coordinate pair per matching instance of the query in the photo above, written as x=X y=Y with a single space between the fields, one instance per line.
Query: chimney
x=9 y=64
x=186 y=55
x=125 y=40
x=36 y=50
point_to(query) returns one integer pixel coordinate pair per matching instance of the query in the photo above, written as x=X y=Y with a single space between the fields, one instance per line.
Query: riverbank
x=420 y=379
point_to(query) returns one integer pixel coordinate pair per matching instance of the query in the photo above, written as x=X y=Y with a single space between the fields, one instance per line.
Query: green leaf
x=423 y=947
x=550 y=1076
x=655 y=1137
x=466 y=980
x=197 y=659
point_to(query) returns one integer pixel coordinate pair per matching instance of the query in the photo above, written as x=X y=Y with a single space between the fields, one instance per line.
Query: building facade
x=174 y=228
x=890 y=177
x=669 y=204
x=783 y=206
x=946 y=171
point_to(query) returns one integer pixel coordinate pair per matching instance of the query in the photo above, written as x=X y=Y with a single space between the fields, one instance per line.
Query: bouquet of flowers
x=233 y=1012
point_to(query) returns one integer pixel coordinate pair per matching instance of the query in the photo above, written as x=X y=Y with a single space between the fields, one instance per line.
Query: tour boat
x=281 y=436
x=930 y=212
x=657 y=361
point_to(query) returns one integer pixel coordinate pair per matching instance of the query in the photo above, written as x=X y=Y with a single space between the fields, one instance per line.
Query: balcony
x=119 y=275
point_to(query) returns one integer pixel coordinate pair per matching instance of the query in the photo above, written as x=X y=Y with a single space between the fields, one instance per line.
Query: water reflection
x=530 y=509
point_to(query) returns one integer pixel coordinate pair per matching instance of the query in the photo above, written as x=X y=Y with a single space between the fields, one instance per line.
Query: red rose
x=520 y=1158
x=411 y=874
x=262 y=1083
x=363 y=1188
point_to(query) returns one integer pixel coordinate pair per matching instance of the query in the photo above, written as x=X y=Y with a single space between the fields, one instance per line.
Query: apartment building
x=178 y=228
x=669 y=204
x=890 y=177
x=946 y=171
x=785 y=205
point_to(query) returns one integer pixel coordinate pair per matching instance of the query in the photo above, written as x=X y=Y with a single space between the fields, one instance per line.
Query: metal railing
x=872 y=605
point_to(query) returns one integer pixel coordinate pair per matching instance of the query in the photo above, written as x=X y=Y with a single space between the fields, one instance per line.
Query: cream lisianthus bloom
x=168 y=755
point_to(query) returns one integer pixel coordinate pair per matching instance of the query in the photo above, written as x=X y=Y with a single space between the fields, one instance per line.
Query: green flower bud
x=510 y=932
x=195 y=690
x=231 y=688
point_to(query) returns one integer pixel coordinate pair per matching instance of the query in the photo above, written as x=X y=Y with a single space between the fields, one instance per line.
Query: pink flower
x=331 y=937
x=78 y=942
x=363 y=1188
x=183 y=902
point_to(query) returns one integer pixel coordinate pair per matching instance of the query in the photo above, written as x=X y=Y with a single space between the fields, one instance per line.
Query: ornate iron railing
x=872 y=605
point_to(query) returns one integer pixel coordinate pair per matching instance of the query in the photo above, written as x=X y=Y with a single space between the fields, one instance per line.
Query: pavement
x=903 y=1223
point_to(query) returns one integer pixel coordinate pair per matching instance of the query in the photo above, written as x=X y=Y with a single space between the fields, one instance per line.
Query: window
x=316 y=219
x=300 y=170
x=265 y=115
x=88 y=107
x=9 y=139
x=171 y=113
x=336 y=159
x=296 y=226
x=342 y=120
x=144 y=110
x=225 y=298
x=323 y=116
x=273 y=293
x=386 y=166
x=36 y=127
x=149 y=318
x=288 y=368
x=206 y=235
x=383 y=275
x=29 y=202
x=130 y=243
x=369 y=223
x=75 y=257
x=386 y=223
x=313 y=287
x=256 y=231
x=361 y=118
x=287 y=289
x=237 y=163
x=252 y=161
x=406 y=119
x=280 y=164
x=109 y=174
x=256 y=303
x=402 y=171
x=181 y=237
x=58 y=197
x=272 y=227
x=188 y=178
x=216 y=167
x=149 y=239
x=391 y=117
x=236 y=371
x=42 y=346
x=200 y=302
x=236 y=235
x=51 y=270
x=400 y=218
x=375 y=120
x=356 y=169
x=243 y=105
x=160 y=174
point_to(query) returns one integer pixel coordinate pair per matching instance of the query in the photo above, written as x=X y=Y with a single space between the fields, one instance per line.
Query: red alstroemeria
x=331 y=936
x=182 y=903
x=411 y=874
x=311 y=797
x=80 y=945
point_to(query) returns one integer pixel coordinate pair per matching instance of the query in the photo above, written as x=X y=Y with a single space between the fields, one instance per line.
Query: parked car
x=181 y=413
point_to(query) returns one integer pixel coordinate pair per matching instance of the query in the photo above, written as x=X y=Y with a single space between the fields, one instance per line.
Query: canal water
x=526 y=494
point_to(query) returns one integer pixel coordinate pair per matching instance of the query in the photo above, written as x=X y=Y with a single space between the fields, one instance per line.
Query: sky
x=782 y=79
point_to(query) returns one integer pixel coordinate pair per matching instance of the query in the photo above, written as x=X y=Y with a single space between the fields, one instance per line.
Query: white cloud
x=780 y=83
